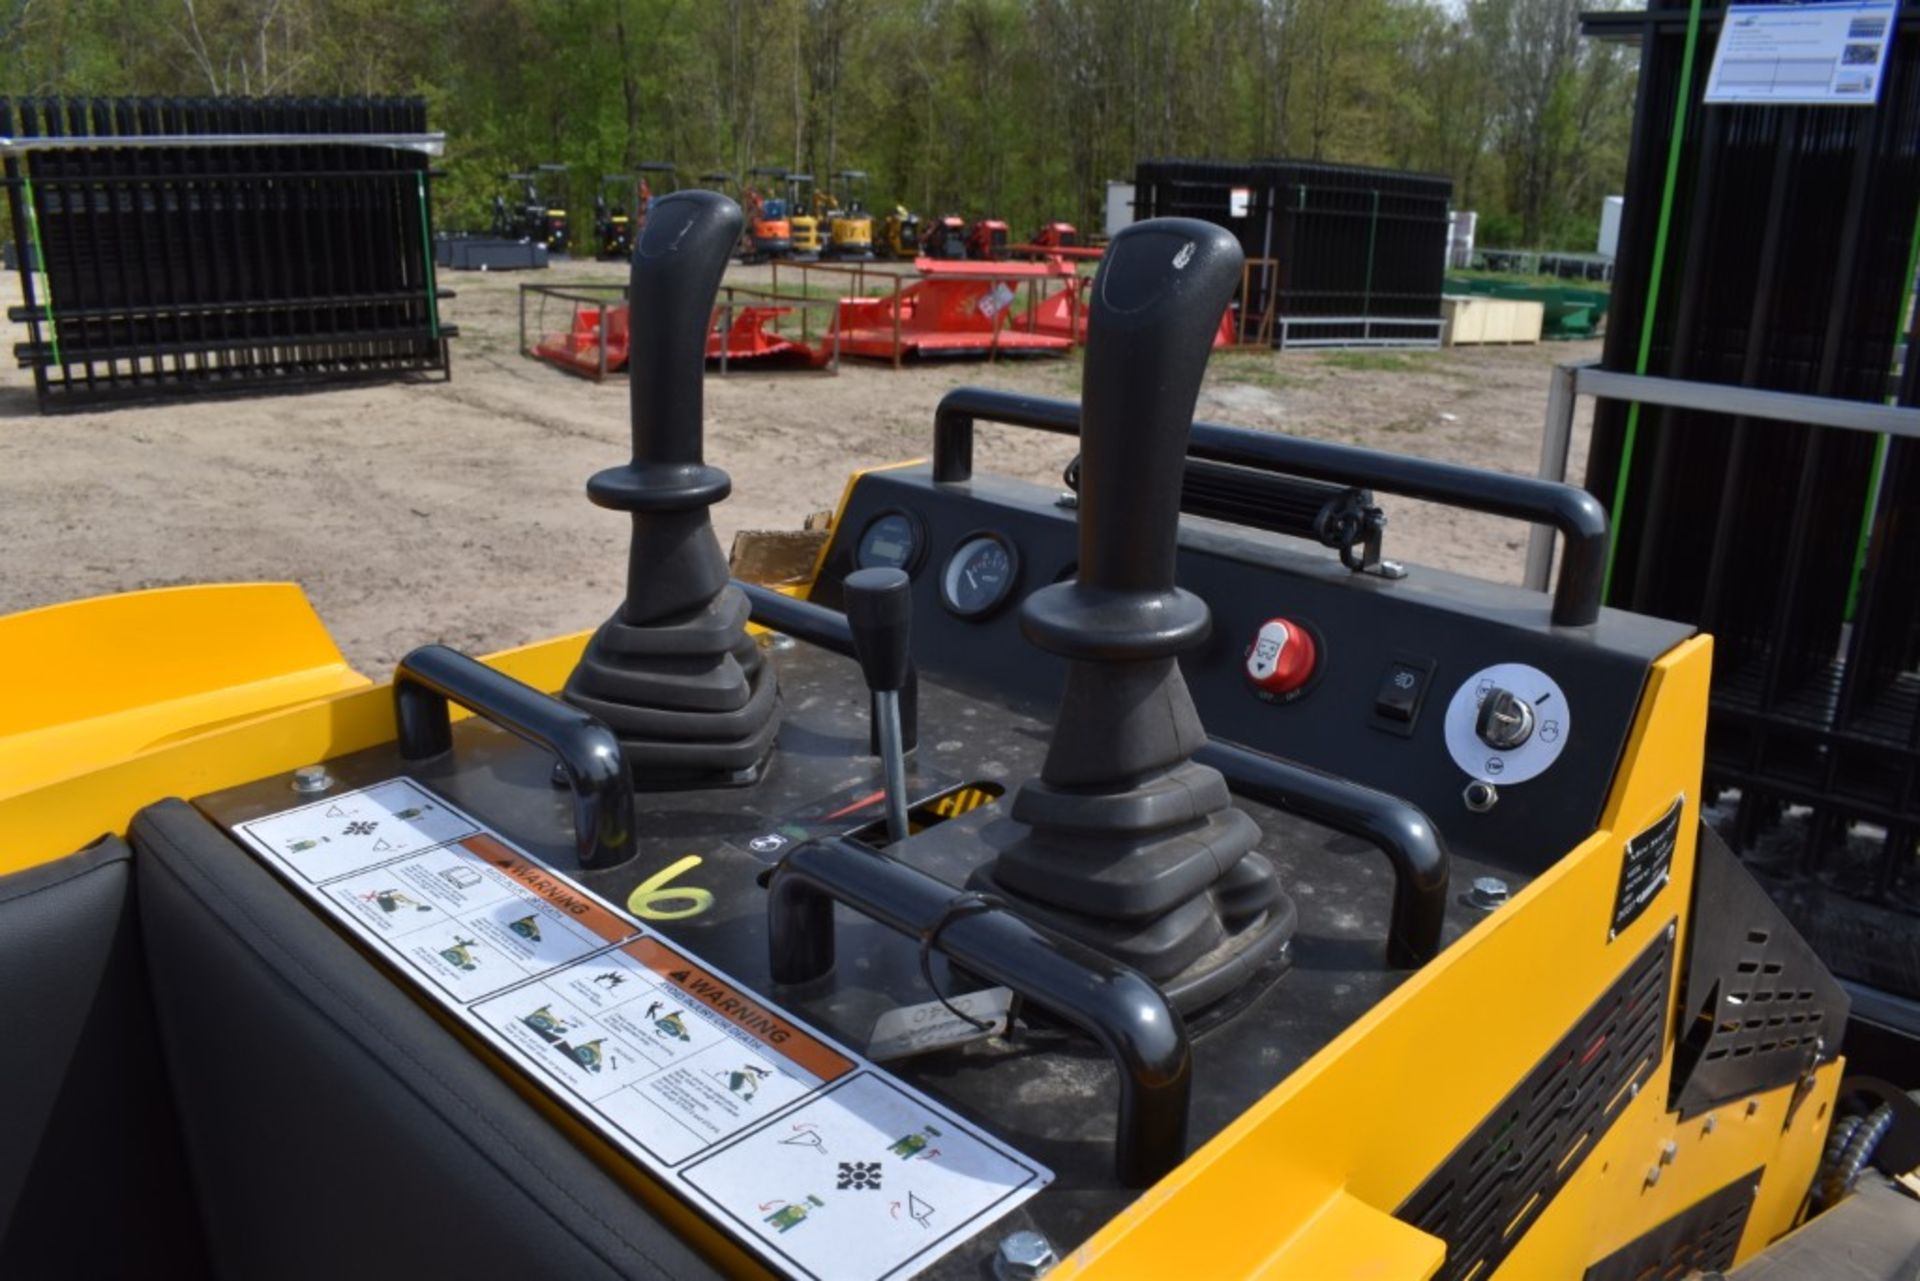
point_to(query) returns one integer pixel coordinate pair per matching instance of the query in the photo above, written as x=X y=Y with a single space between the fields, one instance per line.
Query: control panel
x=1450 y=692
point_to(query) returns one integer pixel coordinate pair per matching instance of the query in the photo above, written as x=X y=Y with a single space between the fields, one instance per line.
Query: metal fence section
x=190 y=247
x=1760 y=484
x=1351 y=250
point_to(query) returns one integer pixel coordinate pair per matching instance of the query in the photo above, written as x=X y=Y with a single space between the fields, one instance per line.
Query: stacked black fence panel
x=1357 y=249
x=186 y=267
x=1789 y=236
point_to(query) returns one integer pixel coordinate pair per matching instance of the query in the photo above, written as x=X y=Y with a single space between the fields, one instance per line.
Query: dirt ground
x=456 y=511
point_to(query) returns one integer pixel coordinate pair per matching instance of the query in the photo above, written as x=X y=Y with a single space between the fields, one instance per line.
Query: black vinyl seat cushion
x=334 y=1128
x=93 y=1180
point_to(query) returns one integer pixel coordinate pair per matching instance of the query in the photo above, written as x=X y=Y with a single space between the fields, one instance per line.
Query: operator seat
x=204 y=1079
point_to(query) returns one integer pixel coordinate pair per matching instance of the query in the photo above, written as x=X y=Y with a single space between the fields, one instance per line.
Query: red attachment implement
x=751 y=336
x=581 y=350
x=953 y=309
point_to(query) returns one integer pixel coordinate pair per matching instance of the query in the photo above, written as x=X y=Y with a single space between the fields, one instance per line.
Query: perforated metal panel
x=1701 y=1238
x=1500 y=1180
x=1758 y=1009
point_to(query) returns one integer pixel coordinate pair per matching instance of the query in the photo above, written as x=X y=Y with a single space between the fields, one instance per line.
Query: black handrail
x=1422 y=867
x=1117 y=1006
x=1577 y=514
x=433 y=675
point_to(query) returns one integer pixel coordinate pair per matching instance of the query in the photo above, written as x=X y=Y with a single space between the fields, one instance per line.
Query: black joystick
x=880 y=616
x=674 y=673
x=1127 y=844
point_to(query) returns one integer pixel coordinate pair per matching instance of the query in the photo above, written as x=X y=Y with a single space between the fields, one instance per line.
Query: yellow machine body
x=852 y=233
x=806 y=233
x=235 y=683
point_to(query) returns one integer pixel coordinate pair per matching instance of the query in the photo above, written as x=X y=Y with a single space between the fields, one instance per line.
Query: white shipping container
x=1609 y=246
x=1119 y=208
x=1461 y=224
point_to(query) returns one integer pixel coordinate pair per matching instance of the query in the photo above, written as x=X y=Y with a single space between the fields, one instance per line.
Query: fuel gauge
x=979 y=576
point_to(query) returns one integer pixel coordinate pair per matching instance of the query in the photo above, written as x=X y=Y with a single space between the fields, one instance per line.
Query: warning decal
x=811 y=1156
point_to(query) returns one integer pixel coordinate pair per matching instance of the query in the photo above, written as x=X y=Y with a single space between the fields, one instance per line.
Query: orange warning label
x=768 y=1026
x=552 y=889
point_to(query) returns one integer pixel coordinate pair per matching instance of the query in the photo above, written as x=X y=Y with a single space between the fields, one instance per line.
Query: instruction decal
x=1814 y=53
x=1645 y=867
x=816 y=1159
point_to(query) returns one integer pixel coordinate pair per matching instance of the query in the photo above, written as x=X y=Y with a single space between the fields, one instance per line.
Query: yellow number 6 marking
x=654 y=899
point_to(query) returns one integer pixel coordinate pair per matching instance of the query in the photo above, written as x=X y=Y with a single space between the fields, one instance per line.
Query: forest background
x=1022 y=109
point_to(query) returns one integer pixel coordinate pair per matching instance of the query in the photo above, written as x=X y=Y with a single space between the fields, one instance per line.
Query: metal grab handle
x=1422 y=867
x=1117 y=1006
x=1577 y=514
x=434 y=675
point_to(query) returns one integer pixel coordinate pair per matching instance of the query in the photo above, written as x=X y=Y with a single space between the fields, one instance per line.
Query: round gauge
x=979 y=576
x=891 y=540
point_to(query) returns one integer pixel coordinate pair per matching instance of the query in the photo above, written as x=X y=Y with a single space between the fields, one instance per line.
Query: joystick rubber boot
x=1123 y=842
x=674 y=673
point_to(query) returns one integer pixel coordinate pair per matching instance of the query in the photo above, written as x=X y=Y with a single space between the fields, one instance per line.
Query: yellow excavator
x=849 y=225
x=1145 y=879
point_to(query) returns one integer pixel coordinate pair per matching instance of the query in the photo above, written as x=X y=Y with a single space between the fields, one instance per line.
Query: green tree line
x=1019 y=108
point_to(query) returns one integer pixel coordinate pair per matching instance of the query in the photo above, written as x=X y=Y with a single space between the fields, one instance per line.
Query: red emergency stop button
x=1281 y=659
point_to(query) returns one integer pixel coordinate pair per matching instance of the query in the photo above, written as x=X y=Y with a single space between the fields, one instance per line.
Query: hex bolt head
x=1653 y=1175
x=1668 y=1151
x=1712 y=1124
x=1487 y=892
x=1023 y=1256
x=309 y=779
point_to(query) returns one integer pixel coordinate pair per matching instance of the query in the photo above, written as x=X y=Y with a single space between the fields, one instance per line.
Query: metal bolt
x=1670 y=929
x=1753 y=1105
x=1022 y=1256
x=1479 y=796
x=309 y=779
x=1653 y=1175
x=1713 y=1123
x=1633 y=1090
x=1668 y=1151
x=1487 y=893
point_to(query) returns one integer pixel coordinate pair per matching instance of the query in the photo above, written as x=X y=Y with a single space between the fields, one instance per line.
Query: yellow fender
x=94 y=681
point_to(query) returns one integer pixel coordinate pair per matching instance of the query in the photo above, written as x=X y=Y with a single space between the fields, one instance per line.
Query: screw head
x=1023 y=1256
x=309 y=779
x=1488 y=892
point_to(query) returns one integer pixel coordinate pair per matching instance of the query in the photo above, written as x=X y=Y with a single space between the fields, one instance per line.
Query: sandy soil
x=456 y=512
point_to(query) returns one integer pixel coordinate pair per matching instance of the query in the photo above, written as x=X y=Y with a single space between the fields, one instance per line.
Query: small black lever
x=880 y=615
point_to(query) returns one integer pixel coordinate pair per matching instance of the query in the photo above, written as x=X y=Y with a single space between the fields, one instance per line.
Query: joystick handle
x=1155 y=308
x=677 y=267
x=880 y=616
x=1156 y=305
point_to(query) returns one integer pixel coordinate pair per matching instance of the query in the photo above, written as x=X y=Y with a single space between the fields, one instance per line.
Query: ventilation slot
x=1499 y=1181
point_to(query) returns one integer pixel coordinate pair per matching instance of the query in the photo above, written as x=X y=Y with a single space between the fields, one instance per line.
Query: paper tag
x=995 y=300
x=920 y=1029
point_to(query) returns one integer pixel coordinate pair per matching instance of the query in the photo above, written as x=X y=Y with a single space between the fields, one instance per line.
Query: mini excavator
x=1140 y=878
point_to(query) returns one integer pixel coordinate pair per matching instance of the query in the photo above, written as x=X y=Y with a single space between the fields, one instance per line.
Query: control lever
x=1130 y=845
x=674 y=672
x=880 y=615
